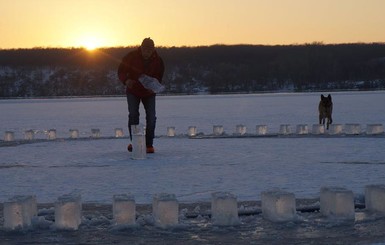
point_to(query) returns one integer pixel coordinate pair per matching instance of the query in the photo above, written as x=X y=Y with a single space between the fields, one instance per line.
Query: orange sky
x=108 y=23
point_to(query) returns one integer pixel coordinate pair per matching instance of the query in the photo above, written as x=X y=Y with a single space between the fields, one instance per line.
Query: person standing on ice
x=140 y=65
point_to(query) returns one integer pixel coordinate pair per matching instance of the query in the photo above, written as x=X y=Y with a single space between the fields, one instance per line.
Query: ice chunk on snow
x=284 y=129
x=165 y=209
x=123 y=209
x=302 y=129
x=68 y=209
x=374 y=129
x=337 y=202
x=318 y=129
x=217 y=129
x=375 y=198
x=18 y=211
x=278 y=205
x=224 y=209
x=170 y=131
x=335 y=129
x=261 y=129
x=9 y=136
x=352 y=128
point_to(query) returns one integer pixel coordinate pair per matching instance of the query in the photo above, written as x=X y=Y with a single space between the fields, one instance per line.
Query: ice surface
x=165 y=209
x=190 y=168
x=375 y=198
x=124 y=209
x=68 y=211
x=151 y=83
x=337 y=203
x=224 y=209
x=278 y=205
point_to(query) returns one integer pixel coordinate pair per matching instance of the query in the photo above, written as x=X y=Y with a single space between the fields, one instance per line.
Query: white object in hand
x=151 y=83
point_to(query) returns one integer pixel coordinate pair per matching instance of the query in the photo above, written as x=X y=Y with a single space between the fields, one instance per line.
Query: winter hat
x=148 y=43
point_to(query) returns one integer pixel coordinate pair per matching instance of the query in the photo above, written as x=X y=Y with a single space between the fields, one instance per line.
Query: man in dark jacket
x=141 y=61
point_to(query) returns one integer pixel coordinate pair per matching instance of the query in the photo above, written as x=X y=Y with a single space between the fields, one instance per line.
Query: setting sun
x=90 y=43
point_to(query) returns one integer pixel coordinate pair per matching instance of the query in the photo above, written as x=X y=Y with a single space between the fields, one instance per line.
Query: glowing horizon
x=118 y=23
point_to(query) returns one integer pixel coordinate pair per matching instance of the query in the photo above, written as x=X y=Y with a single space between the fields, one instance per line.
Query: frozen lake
x=190 y=168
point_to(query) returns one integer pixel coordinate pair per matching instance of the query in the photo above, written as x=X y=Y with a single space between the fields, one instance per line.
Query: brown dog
x=325 y=109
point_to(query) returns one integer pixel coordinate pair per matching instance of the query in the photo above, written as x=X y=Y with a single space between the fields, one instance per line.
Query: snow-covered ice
x=192 y=169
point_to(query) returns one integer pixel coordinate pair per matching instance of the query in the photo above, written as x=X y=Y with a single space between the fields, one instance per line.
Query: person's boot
x=150 y=149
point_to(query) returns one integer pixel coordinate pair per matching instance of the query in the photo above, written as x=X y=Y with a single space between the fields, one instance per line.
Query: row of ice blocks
x=349 y=128
x=165 y=209
x=51 y=134
x=284 y=129
x=335 y=203
x=277 y=206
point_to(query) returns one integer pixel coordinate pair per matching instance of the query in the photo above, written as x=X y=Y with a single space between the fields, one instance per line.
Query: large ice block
x=335 y=129
x=170 y=131
x=318 y=129
x=151 y=83
x=18 y=211
x=29 y=134
x=240 y=129
x=302 y=129
x=278 y=205
x=118 y=132
x=375 y=198
x=374 y=129
x=51 y=134
x=74 y=133
x=337 y=203
x=68 y=211
x=138 y=142
x=261 y=129
x=352 y=128
x=192 y=131
x=124 y=209
x=284 y=129
x=217 y=129
x=165 y=209
x=95 y=133
x=224 y=209
x=9 y=136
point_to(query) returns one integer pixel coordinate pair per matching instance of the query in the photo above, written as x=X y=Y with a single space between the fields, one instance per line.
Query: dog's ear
x=322 y=97
x=329 y=97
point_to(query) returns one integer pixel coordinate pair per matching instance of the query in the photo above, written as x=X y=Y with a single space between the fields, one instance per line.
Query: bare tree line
x=191 y=70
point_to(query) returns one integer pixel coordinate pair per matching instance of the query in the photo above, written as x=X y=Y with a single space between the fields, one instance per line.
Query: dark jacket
x=133 y=65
